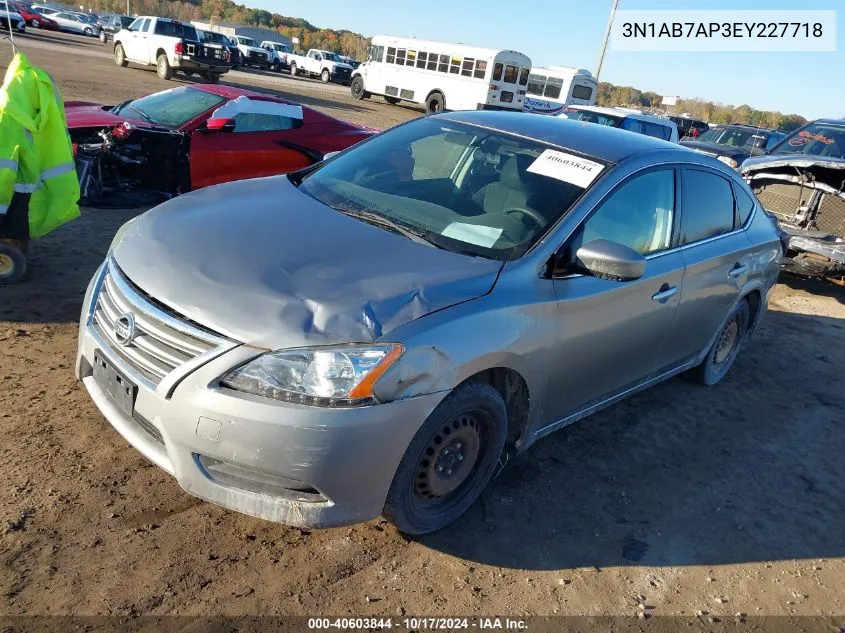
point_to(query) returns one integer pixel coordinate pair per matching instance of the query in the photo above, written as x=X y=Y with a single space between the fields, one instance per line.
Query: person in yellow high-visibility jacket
x=36 y=156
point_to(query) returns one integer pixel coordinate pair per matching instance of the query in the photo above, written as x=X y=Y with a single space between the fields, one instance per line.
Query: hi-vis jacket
x=35 y=150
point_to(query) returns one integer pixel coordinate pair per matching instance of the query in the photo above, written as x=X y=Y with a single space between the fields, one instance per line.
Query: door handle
x=665 y=293
x=737 y=270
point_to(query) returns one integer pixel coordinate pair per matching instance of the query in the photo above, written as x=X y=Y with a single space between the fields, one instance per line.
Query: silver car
x=372 y=334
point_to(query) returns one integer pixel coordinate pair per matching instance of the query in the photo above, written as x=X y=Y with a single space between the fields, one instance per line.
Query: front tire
x=103 y=38
x=324 y=76
x=450 y=460
x=725 y=348
x=88 y=32
x=120 y=56
x=435 y=103
x=163 y=68
x=357 y=88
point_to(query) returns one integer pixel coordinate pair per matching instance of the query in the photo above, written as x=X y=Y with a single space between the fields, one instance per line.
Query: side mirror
x=221 y=125
x=759 y=143
x=610 y=260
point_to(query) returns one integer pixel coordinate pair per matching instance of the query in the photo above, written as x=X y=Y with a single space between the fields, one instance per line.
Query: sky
x=571 y=32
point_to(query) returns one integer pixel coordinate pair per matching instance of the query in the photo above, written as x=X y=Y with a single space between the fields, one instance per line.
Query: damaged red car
x=147 y=150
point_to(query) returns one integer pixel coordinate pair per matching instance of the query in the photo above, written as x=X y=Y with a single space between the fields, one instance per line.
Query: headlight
x=730 y=162
x=327 y=376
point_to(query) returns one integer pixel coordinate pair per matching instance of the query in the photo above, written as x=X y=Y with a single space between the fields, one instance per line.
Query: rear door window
x=511 y=74
x=656 y=130
x=707 y=205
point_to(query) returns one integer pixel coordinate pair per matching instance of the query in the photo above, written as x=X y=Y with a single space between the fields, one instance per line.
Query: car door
x=261 y=144
x=612 y=333
x=717 y=255
x=131 y=42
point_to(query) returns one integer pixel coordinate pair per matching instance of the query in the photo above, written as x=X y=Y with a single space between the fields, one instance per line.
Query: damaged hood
x=264 y=264
x=83 y=115
x=820 y=172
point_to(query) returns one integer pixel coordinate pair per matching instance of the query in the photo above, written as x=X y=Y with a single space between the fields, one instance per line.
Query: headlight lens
x=328 y=376
x=730 y=162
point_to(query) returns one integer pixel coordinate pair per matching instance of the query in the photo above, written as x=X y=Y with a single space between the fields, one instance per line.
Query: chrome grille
x=162 y=342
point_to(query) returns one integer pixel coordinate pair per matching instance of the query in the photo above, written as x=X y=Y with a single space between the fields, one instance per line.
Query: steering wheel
x=538 y=219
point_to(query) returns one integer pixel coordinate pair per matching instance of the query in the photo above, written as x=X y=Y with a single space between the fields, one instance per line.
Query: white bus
x=442 y=76
x=552 y=88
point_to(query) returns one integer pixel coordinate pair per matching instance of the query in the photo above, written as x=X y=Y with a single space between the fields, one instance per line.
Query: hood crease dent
x=264 y=264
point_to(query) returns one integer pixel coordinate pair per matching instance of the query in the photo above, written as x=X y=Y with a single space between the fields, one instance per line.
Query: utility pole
x=606 y=38
x=127 y=8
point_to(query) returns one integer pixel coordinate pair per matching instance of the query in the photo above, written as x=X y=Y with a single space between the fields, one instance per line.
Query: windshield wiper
x=144 y=115
x=386 y=223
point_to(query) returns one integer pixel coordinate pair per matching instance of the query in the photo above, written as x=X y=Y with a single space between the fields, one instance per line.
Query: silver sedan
x=373 y=334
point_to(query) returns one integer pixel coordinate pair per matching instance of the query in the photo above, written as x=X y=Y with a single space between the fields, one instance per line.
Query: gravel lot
x=722 y=500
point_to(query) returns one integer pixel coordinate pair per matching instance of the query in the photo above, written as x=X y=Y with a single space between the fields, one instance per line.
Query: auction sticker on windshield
x=566 y=167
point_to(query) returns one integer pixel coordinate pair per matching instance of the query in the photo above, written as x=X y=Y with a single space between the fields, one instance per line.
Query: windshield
x=171 y=108
x=596 y=117
x=816 y=139
x=458 y=187
x=247 y=41
x=217 y=38
x=727 y=136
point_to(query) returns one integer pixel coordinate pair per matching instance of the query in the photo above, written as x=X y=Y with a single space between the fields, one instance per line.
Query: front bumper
x=294 y=464
x=341 y=78
x=185 y=63
x=810 y=254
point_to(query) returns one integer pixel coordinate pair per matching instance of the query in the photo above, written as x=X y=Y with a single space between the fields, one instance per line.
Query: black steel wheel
x=450 y=460
x=357 y=87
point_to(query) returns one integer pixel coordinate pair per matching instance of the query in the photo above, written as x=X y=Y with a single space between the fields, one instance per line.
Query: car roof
x=601 y=141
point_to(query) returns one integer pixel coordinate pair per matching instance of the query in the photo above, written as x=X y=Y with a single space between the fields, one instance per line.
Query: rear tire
x=88 y=32
x=725 y=348
x=12 y=264
x=391 y=100
x=120 y=56
x=277 y=67
x=357 y=88
x=324 y=76
x=435 y=103
x=163 y=68
x=450 y=460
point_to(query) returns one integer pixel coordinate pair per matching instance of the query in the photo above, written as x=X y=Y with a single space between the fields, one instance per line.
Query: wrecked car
x=801 y=181
x=375 y=334
x=147 y=150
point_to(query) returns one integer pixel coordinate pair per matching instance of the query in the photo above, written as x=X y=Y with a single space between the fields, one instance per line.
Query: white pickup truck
x=251 y=53
x=323 y=64
x=171 y=46
x=278 y=53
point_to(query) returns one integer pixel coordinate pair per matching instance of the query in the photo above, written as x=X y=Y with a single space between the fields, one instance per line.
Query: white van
x=626 y=119
x=552 y=88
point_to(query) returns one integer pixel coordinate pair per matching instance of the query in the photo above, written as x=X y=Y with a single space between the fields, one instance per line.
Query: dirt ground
x=720 y=500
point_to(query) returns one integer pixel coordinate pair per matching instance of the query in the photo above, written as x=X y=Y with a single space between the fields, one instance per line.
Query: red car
x=33 y=18
x=194 y=136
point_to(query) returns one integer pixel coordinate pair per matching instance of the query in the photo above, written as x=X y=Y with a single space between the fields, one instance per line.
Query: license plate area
x=120 y=390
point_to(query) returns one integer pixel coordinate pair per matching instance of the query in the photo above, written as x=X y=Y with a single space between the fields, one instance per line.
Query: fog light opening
x=245 y=478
